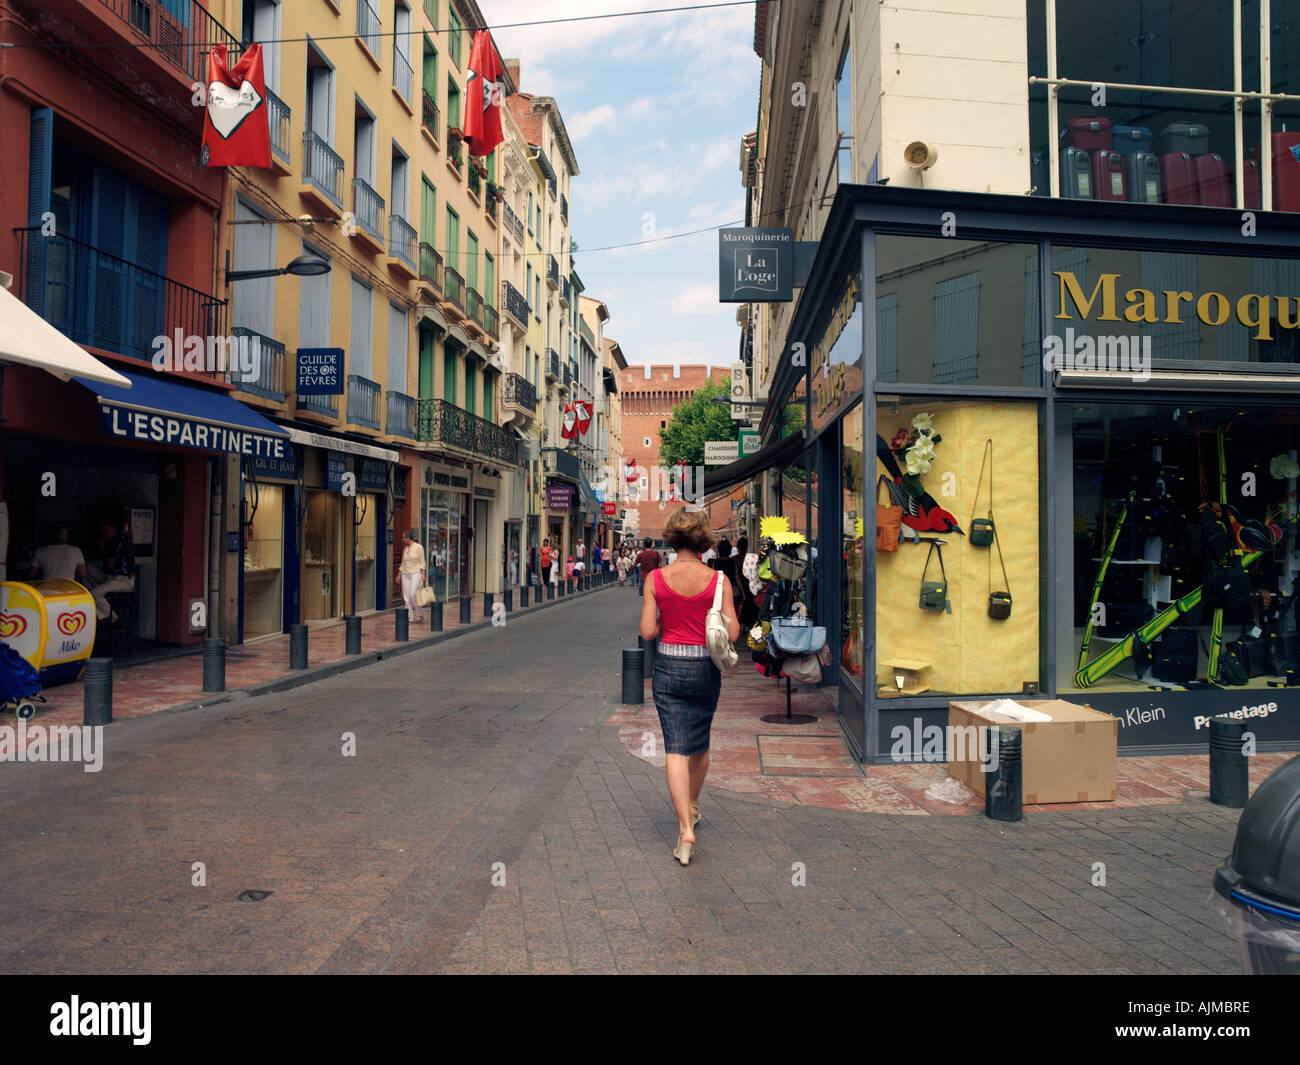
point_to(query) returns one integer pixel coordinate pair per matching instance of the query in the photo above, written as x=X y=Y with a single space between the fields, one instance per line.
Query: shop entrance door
x=481 y=530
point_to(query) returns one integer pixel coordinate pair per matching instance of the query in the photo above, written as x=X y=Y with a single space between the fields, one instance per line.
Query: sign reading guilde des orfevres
x=755 y=265
x=320 y=371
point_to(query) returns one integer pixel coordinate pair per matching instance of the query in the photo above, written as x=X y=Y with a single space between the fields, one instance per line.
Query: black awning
x=777 y=453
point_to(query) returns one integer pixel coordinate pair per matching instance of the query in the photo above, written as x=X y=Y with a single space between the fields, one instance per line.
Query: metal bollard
x=633 y=676
x=297 y=646
x=1229 y=768
x=488 y=600
x=402 y=624
x=352 y=628
x=550 y=591
x=1003 y=787
x=214 y=665
x=435 y=617
x=509 y=596
x=651 y=648
x=561 y=587
x=97 y=706
x=523 y=596
x=466 y=604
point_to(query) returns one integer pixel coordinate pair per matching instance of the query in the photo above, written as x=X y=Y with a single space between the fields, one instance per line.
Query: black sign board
x=320 y=372
x=755 y=265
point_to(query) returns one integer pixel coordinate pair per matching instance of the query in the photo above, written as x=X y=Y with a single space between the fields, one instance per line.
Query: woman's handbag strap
x=1005 y=583
x=979 y=484
x=933 y=548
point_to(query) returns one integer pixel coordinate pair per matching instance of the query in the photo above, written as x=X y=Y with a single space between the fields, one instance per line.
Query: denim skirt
x=686 y=694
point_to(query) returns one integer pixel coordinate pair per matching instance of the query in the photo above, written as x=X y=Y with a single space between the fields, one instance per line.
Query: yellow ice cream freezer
x=49 y=623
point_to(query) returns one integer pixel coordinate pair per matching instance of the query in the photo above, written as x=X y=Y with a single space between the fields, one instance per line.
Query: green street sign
x=750 y=443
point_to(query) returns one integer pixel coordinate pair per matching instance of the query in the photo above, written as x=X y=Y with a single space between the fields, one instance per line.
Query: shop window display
x=1185 y=564
x=966 y=476
x=367 y=509
x=851 y=478
x=320 y=556
x=263 y=554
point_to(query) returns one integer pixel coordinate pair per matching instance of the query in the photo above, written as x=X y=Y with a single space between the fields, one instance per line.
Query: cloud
x=696 y=299
x=585 y=123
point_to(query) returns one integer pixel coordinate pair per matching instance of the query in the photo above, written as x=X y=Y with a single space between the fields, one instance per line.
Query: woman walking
x=686 y=683
x=411 y=573
x=548 y=559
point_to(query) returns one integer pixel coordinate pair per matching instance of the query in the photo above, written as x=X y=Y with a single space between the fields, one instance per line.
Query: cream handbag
x=721 y=649
x=424 y=595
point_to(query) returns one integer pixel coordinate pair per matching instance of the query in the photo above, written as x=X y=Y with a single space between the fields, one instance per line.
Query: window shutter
x=397 y=349
x=39 y=164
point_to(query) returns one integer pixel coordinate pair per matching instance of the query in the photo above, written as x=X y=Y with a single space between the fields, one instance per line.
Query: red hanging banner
x=483 y=91
x=236 y=128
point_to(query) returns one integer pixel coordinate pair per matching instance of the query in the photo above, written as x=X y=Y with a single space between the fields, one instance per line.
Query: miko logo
x=12 y=625
x=71 y=624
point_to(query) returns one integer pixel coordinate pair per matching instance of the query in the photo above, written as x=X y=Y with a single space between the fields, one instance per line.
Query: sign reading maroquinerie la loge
x=756 y=265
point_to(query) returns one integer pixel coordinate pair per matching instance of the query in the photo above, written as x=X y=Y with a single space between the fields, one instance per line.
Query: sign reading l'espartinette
x=756 y=265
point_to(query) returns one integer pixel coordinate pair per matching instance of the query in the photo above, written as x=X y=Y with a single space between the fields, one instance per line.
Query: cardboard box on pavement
x=1068 y=759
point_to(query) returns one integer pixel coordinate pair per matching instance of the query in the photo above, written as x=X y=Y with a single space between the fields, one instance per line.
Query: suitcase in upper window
x=1142 y=177
x=1130 y=139
x=1213 y=181
x=1190 y=137
x=1178 y=178
x=1252 y=184
x=1076 y=174
x=1108 y=175
x=1286 y=171
x=1090 y=133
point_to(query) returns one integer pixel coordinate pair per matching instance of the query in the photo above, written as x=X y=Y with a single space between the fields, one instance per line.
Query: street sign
x=720 y=452
x=750 y=443
x=739 y=392
x=756 y=265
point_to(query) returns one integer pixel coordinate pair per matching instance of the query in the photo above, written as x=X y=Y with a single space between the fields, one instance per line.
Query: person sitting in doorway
x=59 y=560
x=116 y=573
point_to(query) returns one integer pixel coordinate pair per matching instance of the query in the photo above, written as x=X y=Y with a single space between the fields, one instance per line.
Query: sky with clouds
x=655 y=106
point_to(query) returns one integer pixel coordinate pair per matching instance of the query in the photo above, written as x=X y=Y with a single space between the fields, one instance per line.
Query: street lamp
x=303 y=266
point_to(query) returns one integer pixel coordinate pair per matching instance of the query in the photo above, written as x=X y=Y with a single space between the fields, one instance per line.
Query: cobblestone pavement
x=494 y=748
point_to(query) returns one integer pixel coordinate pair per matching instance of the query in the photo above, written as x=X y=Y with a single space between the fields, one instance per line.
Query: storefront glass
x=513 y=557
x=851 y=474
x=321 y=539
x=442 y=515
x=263 y=556
x=367 y=511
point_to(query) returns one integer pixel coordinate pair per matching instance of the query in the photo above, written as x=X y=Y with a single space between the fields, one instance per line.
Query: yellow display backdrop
x=970 y=652
x=49 y=623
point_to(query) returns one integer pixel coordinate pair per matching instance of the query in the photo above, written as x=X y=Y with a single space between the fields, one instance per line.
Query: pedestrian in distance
x=686 y=684
x=622 y=568
x=646 y=561
x=548 y=560
x=411 y=573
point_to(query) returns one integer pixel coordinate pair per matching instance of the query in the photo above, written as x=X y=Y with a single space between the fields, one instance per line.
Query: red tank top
x=682 y=617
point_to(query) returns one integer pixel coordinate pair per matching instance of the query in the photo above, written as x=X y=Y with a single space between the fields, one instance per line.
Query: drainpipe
x=216 y=547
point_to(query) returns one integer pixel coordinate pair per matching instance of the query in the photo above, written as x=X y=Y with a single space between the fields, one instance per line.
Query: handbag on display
x=889 y=522
x=999 y=602
x=934 y=594
x=1226 y=586
x=788 y=566
x=424 y=595
x=806 y=669
x=721 y=649
x=797 y=636
x=982 y=530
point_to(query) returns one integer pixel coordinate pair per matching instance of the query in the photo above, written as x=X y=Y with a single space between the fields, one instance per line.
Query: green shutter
x=426 y=363
x=489 y=397
x=490 y=282
x=449 y=361
x=471 y=377
x=428 y=212
x=471 y=261
x=429 y=77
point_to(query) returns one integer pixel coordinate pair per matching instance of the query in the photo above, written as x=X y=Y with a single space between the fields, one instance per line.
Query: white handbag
x=721 y=649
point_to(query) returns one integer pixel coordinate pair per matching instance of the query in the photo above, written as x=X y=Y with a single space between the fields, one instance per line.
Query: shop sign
x=829 y=362
x=336 y=465
x=265 y=468
x=609 y=509
x=559 y=496
x=448 y=477
x=374 y=476
x=483 y=491
x=751 y=443
x=756 y=265
x=177 y=431
x=720 y=452
x=320 y=372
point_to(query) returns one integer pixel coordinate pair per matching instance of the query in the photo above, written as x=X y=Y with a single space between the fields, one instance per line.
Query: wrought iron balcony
x=103 y=301
x=403 y=78
x=363 y=401
x=568 y=375
x=513 y=224
x=474 y=305
x=519 y=391
x=491 y=321
x=564 y=208
x=456 y=154
x=368 y=207
x=430 y=267
x=281 y=128
x=402 y=240
x=565 y=290
x=448 y=425
x=516 y=305
x=475 y=181
x=429 y=116
x=552 y=272
x=453 y=285
x=584 y=330
x=552 y=364
x=266 y=376
x=401 y=416
x=327 y=405
x=368 y=26
x=181 y=31
x=550 y=184
x=322 y=167
x=559 y=461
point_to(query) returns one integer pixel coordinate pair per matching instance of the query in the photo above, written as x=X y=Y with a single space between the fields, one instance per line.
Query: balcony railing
x=430 y=266
x=552 y=272
x=327 y=405
x=585 y=332
x=368 y=206
x=281 y=128
x=402 y=240
x=568 y=376
x=363 y=401
x=475 y=181
x=322 y=167
x=516 y=305
x=266 y=355
x=550 y=184
x=456 y=154
x=454 y=287
x=103 y=301
x=474 y=305
x=565 y=290
x=181 y=31
x=429 y=115
x=519 y=391
x=512 y=222
x=446 y=424
x=552 y=363
x=403 y=78
x=491 y=321
x=564 y=209
x=558 y=460
x=368 y=26
x=401 y=416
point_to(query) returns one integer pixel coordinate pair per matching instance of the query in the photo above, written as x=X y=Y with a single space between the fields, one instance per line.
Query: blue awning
x=175 y=415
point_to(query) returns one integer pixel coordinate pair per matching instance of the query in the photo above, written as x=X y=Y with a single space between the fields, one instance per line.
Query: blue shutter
x=147 y=295
x=887 y=337
x=40 y=162
x=108 y=272
x=1032 y=347
x=956 y=329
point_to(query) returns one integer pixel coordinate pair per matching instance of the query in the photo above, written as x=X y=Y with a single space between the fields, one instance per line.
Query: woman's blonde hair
x=689 y=530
